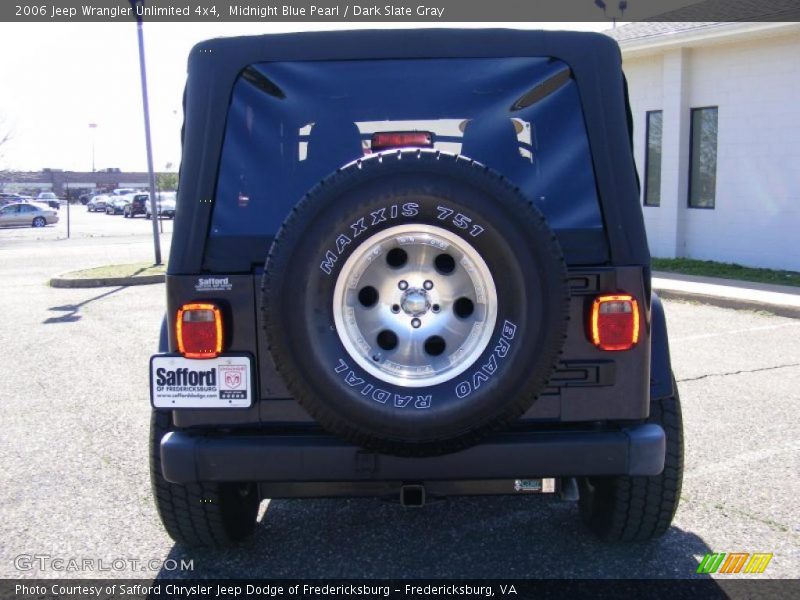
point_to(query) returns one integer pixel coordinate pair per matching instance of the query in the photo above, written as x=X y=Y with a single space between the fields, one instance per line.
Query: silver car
x=27 y=214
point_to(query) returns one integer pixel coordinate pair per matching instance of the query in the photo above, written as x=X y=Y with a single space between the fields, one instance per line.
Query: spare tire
x=415 y=301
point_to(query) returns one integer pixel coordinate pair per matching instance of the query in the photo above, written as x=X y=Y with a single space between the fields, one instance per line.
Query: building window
x=703 y=158
x=652 y=159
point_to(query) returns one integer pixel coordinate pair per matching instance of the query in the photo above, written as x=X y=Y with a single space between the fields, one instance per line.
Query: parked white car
x=165 y=201
x=123 y=191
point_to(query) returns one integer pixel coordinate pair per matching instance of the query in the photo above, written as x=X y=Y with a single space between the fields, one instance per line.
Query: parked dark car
x=97 y=203
x=10 y=198
x=136 y=205
x=50 y=199
x=466 y=310
x=84 y=198
x=115 y=205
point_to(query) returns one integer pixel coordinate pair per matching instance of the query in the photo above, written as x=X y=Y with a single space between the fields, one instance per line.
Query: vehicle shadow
x=71 y=311
x=470 y=537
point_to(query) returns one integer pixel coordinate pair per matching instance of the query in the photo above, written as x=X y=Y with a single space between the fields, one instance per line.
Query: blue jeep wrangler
x=411 y=264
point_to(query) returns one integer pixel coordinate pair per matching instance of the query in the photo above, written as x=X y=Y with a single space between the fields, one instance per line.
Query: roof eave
x=704 y=36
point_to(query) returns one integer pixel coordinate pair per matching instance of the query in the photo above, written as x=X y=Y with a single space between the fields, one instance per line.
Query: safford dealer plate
x=222 y=382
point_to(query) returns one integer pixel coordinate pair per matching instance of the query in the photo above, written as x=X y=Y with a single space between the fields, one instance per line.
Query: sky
x=57 y=78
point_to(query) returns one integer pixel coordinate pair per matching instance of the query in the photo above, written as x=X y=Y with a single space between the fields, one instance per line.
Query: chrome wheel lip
x=367 y=265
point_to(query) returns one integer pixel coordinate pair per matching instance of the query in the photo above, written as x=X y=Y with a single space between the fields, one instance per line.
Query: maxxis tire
x=513 y=240
x=628 y=509
x=199 y=514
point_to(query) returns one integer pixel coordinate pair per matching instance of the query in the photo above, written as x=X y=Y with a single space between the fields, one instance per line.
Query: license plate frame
x=224 y=382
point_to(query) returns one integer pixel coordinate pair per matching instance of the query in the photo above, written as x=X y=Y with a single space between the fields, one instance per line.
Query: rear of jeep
x=410 y=264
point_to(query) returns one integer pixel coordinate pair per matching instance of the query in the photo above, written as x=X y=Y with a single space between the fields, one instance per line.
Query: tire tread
x=194 y=514
x=630 y=508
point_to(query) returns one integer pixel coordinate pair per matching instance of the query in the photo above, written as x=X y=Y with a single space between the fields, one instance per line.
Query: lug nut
x=435 y=308
x=415 y=323
x=395 y=308
x=428 y=284
x=403 y=284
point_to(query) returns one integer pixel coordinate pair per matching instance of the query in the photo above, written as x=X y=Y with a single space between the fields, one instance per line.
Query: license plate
x=222 y=382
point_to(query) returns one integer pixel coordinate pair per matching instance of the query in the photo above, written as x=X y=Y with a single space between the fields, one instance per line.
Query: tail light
x=615 y=322
x=385 y=140
x=199 y=330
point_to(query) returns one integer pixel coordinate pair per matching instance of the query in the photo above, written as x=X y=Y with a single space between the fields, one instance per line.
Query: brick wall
x=57 y=181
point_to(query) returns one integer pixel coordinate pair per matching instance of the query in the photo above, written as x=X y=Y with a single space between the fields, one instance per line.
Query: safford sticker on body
x=213 y=284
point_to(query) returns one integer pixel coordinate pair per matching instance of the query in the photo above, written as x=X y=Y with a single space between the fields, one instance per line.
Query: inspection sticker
x=222 y=382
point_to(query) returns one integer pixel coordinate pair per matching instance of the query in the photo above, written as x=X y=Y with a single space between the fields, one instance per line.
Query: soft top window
x=290 y=124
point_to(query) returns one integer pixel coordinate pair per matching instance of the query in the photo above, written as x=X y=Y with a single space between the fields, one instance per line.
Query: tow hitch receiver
x=412 y=496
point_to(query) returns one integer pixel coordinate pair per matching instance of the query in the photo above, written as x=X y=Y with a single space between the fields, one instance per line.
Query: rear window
x=290 y=124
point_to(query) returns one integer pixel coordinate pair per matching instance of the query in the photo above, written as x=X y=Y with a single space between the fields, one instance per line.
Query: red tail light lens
x=199 y=330
x=385 y=140
x=615 y=322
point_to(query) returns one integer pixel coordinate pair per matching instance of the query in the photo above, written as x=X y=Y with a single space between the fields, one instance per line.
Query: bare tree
x=8 y=175
x=6 y=134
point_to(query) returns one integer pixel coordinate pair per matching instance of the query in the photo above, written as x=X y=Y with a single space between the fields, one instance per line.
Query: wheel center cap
x=415 y=302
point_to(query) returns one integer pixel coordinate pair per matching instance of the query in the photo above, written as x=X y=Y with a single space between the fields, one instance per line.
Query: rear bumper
x=188 y=458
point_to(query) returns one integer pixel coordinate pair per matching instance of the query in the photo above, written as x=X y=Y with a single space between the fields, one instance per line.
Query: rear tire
x=628 y=509
x=200 y=514
x=39 y=222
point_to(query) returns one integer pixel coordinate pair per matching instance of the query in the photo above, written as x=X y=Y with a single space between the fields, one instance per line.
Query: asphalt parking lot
x=73 y=450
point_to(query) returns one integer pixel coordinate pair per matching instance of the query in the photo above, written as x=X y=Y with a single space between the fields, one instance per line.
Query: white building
x=716 y=111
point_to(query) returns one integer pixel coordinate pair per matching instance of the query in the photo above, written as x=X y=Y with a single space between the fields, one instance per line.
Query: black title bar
x=394 y=589
x=397 y=10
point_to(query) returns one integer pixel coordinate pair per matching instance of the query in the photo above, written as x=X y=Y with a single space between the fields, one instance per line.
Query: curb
x=63 y=282
x=782 y=310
